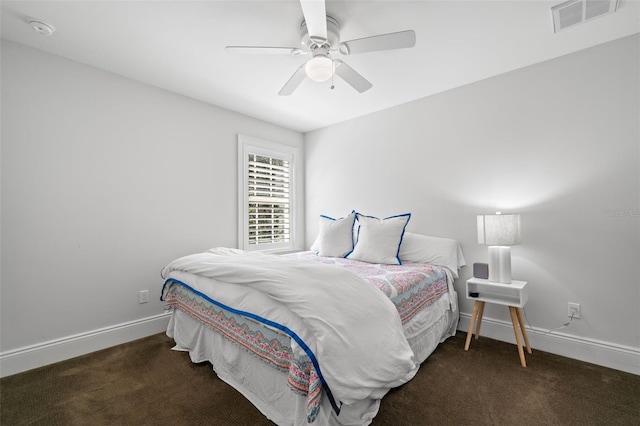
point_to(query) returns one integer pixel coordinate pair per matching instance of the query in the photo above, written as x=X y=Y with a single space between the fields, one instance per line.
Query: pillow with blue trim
x=378 y=240
x=335 y=236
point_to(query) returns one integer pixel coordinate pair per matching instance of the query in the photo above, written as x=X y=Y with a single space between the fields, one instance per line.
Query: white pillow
x=379 y=239
x=335 y=236
x=435 y=250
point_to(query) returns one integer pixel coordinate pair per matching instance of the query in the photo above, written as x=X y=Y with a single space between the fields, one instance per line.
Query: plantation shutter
x=269 y=200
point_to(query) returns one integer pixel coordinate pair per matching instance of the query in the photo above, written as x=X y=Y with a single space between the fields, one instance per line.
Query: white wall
x=559 y=143
x=104 y=181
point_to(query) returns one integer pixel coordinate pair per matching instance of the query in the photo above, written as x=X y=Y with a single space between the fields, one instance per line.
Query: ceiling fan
x=320 y=35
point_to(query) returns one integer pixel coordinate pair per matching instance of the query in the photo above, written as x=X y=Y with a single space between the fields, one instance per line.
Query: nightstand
x=513 y=295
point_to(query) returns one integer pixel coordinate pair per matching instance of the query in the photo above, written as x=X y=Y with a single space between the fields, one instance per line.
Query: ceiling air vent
x=574 y=12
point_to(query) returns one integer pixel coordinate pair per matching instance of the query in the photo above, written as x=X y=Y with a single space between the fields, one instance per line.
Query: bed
x=310 y=338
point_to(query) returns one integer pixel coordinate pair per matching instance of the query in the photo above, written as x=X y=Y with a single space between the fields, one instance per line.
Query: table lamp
x=499 y=232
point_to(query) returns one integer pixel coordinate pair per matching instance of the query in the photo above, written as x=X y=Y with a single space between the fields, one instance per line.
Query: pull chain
x=333 y=65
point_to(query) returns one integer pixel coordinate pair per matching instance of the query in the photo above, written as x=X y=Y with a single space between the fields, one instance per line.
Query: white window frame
x=250 y=145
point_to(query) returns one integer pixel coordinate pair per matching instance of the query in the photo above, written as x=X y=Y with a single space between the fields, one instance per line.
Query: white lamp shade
x=319 y=68
x=499 y=229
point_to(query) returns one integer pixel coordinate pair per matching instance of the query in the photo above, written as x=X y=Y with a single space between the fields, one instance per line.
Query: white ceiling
x=179 y=46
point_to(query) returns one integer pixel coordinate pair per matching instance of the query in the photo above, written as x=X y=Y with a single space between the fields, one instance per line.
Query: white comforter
x=352 y=328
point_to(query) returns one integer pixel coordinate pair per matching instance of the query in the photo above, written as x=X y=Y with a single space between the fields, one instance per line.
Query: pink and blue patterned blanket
x=268 y=344
x=410 y=286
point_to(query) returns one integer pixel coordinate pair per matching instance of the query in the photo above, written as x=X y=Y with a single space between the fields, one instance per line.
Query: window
x=267 y=207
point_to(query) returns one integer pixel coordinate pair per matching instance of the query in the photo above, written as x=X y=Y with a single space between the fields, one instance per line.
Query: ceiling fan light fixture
x=319 y=68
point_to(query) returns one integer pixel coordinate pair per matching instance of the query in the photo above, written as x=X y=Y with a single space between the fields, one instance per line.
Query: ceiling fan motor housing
x=333 y=34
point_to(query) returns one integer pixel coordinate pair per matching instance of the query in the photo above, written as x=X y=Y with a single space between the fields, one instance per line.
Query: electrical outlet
x=144 y=296
x=574 y=310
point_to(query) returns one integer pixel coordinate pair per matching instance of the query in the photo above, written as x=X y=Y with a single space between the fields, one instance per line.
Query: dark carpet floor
x=145 y=383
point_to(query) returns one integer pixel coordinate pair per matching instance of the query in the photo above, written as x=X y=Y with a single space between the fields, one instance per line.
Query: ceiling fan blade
x=293 y=82
x=389 y=41
x=315 y=16
x=349 y=75
x=264 y=50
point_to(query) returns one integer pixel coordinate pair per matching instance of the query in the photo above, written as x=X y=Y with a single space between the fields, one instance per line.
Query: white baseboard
x=38 y=355
x=606 y=354
x=611 y=355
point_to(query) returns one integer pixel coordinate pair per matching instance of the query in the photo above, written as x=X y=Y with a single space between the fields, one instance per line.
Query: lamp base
x=500 y=264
